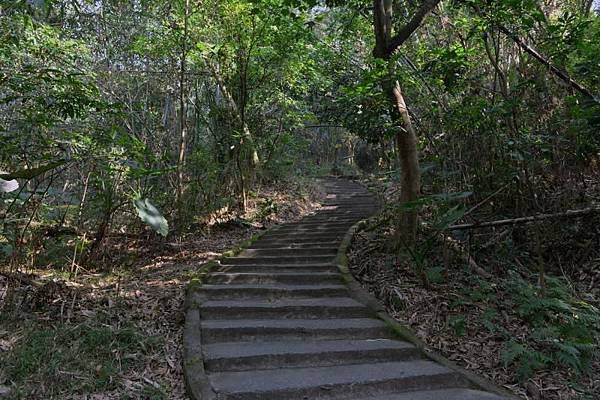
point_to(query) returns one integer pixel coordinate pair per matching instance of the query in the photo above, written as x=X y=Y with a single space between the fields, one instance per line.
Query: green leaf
x=525 y=359
x=459 y=324
x=488 y=319
x=511 y=352
x=7 y=249
x=435 y=274
x=449 y=197
x=451 y=216
x=32 y=172
x=569 y=356
x=150 y=215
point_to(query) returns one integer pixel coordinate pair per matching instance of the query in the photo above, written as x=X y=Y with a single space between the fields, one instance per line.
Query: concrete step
x=279 y=260
x=277 y=323
x=318 y=231
x=350 y=191
x=263 y=330
x=442 y=394
x=310 y=222
x=344 y=211
x=332 y=382
x=229 y=291
x=347 y=216
x=349 y=194
x=307 y=225
x=299 y=237
x=286 y=251
x=244 y=356
x=286 y=244
x=364 y=197
x=336 y=307
x=323 y=218
x=327 y=220
x=296 y=268
x=356 y=202
x=296 y=278
x=309 y=231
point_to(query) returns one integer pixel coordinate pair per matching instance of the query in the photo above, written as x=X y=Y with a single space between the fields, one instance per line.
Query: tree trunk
x=247 y=135
x=406 y=142
x=251 y=160
x=386 y=44
x=182 y=112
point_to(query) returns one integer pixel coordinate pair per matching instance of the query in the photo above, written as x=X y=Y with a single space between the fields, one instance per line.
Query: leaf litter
x=144 y=290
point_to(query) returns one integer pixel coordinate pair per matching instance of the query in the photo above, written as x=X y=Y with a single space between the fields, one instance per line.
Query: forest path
x=278 y=322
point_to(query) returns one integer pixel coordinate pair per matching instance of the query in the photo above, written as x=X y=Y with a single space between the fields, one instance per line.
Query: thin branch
x=556 y=71
x=524 y=220
x=407 y=30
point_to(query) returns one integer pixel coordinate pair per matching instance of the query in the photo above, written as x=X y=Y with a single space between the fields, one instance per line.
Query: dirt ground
x=142 y=294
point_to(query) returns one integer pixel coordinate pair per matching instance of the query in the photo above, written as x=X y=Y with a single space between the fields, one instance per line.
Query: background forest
x=137 y=129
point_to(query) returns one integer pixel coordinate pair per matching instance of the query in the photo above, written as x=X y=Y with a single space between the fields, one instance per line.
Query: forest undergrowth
x=518 y=303
x=114 y=331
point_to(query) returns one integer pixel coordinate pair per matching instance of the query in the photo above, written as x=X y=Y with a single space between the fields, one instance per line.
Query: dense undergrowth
x=485 y=301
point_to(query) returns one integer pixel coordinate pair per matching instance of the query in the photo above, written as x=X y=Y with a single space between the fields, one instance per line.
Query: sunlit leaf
x=151 y=216
x=8 y=186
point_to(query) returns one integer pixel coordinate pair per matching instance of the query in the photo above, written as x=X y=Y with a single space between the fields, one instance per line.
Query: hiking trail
x=278 y=321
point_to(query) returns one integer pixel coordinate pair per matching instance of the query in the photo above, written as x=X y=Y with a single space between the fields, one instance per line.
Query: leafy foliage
x=526 y=359
x=564 y=329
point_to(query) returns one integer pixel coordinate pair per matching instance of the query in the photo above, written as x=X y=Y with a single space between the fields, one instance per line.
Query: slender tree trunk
x=562 y=75
x=182 y=111
x=511 y=121
x=386 y=44
x=406 y=142
x=247 y=139
x=246 y=133
x=242 y=182
x=587 y=7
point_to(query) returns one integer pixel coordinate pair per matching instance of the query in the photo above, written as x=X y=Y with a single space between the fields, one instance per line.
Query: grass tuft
x=79 y=359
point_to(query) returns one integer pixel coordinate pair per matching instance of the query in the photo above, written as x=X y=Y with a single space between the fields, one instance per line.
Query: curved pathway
x=278 y=322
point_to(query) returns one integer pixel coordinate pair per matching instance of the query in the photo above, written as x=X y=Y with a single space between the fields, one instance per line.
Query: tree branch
x=412 y=25
x=559 y=73
x=379 y=26
x=523 y=220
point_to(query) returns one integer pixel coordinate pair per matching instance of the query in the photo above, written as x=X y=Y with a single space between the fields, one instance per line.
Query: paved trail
x=277 y=322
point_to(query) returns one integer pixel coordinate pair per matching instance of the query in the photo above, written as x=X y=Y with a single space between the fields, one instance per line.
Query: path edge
x=197 y=384
x=196 y=380
x=362 y=295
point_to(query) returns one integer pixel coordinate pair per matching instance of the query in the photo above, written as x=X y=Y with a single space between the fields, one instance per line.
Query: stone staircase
x=278 y=322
